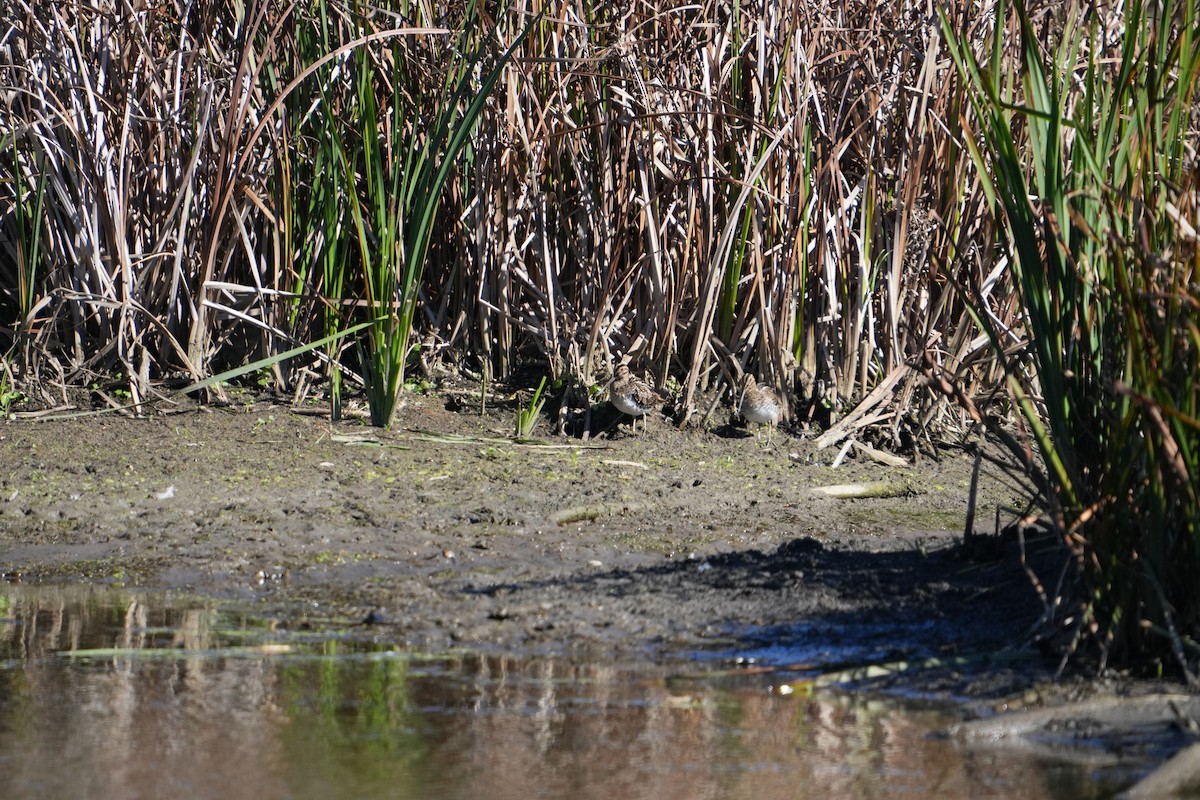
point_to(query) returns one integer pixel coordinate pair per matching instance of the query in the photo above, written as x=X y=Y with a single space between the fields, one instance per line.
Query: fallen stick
x=852 y=490
x=879 y=455
x=854 y=420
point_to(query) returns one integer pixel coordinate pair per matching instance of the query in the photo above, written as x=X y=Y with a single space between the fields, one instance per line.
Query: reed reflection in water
x=191 y=698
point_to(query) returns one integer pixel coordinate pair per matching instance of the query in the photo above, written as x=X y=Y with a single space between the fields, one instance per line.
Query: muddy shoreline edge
x=446 y=533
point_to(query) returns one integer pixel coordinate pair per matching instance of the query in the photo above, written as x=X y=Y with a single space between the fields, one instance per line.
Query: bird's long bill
x=742 y=399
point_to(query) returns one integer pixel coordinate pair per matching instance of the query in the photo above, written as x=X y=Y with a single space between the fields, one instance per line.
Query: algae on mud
x=667 y=539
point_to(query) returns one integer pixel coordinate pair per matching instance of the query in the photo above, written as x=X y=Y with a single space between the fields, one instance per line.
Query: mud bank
x=448 y=533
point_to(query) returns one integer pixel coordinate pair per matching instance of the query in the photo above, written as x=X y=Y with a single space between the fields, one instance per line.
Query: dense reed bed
x=703 y=190
x=812 y=192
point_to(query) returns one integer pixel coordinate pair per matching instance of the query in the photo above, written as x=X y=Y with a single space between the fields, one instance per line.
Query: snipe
x=760 y=405
x=632 y=395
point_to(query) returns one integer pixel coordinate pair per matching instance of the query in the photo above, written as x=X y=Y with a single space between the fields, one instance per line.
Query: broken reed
x=708 y=190
x=1086 y=146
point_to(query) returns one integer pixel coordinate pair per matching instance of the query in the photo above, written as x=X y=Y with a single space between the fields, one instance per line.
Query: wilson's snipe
x=759 y=405
x=632 y=396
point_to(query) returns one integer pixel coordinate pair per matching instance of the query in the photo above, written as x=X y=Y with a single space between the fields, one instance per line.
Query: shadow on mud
x=967 y=624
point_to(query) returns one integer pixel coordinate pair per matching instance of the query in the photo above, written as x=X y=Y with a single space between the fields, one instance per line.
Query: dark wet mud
x=450 y=533
x=446 y=535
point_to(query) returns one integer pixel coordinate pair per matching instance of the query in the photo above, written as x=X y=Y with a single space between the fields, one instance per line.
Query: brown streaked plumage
x=760 y=405
x=632 y=395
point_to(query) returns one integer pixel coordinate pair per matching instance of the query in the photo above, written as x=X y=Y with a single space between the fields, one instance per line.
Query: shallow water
x=117 y=693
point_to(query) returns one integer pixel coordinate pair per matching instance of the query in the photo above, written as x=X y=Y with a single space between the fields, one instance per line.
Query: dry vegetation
x=703 y=189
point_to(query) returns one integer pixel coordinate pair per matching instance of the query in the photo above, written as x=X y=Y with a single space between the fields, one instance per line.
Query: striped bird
x=760 y=405
x=632 y=395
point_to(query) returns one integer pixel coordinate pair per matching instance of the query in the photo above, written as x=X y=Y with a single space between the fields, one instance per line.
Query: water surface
x=127 y=694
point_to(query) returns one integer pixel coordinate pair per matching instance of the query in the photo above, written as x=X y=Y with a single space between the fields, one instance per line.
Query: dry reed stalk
x=646 y=182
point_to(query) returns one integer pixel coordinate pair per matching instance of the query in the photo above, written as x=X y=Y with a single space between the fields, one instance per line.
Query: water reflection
x=178 y=697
